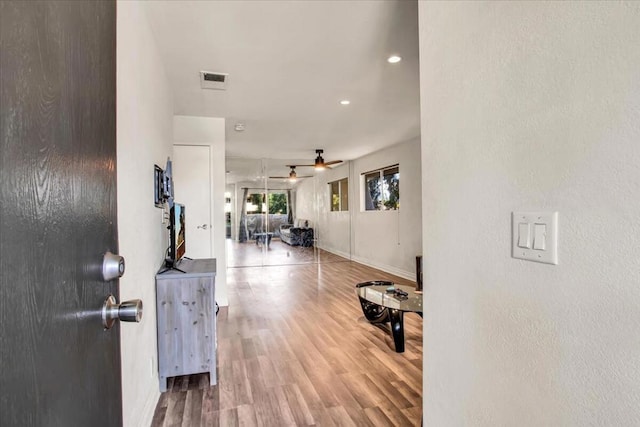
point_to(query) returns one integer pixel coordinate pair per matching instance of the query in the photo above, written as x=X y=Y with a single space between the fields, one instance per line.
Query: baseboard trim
x=346 y=255
x=150 y=406
x=409 y=275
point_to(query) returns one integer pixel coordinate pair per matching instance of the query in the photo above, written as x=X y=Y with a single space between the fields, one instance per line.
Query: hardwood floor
x=295 y=349
x=252 y=254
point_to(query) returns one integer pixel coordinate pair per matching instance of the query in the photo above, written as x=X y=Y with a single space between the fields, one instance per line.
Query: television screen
x=178 y=245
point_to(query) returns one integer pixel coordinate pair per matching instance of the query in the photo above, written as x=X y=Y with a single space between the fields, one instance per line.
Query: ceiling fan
x=293 y=176
x=320 y=164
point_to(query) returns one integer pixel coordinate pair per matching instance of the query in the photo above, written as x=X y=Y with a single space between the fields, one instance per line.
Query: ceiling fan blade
x=318 y=163
x=333 y=162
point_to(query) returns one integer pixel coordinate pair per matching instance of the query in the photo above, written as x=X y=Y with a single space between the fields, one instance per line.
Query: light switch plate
x=550 y=219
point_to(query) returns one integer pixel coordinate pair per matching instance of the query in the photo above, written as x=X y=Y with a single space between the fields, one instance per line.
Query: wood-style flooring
x=294 y=350
x=252 y=254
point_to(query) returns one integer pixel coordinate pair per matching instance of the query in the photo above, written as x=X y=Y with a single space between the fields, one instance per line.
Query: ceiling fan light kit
x=319 y=164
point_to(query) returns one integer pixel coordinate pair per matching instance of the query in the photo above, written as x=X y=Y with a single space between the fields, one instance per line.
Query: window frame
x=265 y=198
x=385 y=195
x=343 y=195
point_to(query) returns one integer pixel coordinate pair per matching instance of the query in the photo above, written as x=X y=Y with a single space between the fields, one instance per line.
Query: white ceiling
x=290 y=63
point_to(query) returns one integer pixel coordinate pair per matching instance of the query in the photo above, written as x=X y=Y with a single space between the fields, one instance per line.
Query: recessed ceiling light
x=393 y=59
x=345 y=102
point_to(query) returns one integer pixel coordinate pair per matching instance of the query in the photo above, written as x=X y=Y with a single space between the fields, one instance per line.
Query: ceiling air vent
x=211 y=80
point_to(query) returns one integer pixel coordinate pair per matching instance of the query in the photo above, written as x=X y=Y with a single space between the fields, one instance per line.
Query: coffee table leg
x=374 y=313
x=396 y=317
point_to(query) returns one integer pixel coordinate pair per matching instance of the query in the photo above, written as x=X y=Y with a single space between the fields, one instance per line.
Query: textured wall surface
x=144 y=131
x=531 y=106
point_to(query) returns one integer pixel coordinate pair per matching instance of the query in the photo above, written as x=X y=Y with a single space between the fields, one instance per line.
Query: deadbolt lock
x=112 y=267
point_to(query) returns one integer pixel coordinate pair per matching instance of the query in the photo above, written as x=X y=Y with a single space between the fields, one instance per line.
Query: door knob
x=112 y=267
x=203 y=226
x=126 y=311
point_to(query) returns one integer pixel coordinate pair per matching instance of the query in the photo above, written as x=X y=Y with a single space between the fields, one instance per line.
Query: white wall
x=334 y=228
x=307 y=199
x=190 y=130
x=144 y=138
x=387 y=240
x=531 y=106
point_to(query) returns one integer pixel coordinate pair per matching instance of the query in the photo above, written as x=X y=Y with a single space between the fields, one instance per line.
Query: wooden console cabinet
x=187 y=320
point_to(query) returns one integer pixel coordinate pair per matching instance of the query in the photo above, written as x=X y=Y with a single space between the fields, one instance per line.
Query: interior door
x=192 y=182
x=58 y=213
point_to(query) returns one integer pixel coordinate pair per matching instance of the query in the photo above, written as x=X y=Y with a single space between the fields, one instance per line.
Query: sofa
x=297 y=234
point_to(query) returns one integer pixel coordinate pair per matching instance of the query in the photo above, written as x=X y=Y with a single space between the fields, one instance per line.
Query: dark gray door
x=57 y=213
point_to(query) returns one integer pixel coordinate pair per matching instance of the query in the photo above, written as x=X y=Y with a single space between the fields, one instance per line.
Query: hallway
x=295 y=349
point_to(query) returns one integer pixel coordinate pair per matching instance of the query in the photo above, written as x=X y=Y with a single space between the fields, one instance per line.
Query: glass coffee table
x=384 y=301
x=264 y=238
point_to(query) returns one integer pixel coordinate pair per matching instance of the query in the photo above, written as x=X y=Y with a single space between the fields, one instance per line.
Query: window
x=227 y=202
x=254 y=203
x=382 y=189
x=339 y=195
x=277 y=203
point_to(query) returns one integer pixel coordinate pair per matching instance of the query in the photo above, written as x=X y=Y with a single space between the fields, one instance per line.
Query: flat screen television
x=177 y=245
